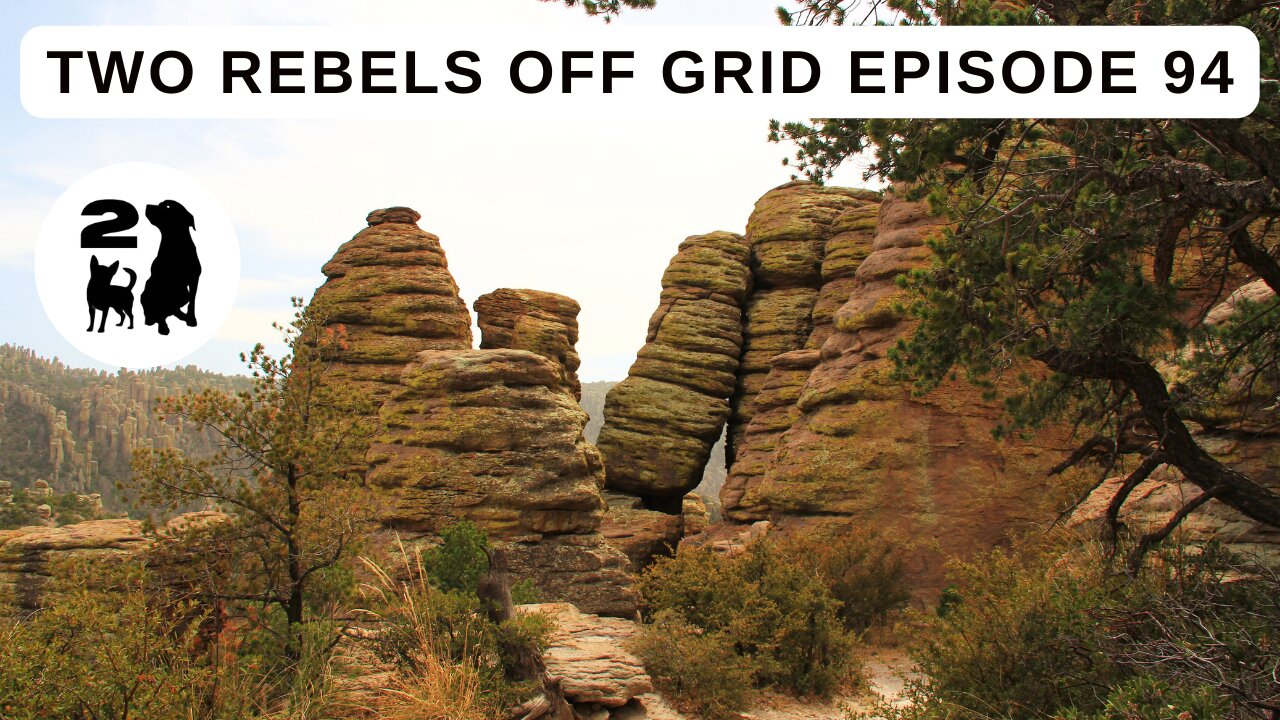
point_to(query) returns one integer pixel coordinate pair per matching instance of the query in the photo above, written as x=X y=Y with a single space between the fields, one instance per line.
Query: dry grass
x=426 y=683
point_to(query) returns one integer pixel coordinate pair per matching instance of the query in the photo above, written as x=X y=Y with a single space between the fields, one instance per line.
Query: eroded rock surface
x=391 y=288
x=661 y=422
x=494 y=437
x=831 y=438
x=30 y=556
x=589 y=655
x=641 y=534
x=1154 y=502
x=540 y=322
x=805 y=242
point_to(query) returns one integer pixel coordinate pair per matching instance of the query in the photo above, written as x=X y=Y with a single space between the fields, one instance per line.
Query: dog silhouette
x=175 y=273
x=104 y=296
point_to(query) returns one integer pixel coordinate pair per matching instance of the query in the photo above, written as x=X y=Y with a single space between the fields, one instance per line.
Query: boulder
x=694 y=515
x=589 y=655
x=661 y=422
x=540 y=322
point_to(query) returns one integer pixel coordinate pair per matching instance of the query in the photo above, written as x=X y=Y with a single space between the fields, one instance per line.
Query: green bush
x=1022 y=641
x=860 y=569
x=112 y=647
x=1062 y=631
x=778 y=615
x=700 y=671
x=1146 y=698
x=460 y=560
x=426 y=631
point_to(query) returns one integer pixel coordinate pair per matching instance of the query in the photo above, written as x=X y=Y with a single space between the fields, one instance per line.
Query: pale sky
x=590 y=207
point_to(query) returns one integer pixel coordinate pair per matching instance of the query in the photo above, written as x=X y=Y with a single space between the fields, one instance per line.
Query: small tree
x=287 y=474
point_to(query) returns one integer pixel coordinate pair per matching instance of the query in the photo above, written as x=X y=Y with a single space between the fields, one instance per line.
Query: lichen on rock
x=661 y=422
x=391 y=289
x=540 y=322
x=494 y=437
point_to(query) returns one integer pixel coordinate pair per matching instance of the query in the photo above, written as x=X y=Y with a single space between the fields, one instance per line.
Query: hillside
x=76 y=428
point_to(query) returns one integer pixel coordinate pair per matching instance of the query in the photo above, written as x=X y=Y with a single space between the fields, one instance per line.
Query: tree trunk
x=1176 y=443
x=525 y=661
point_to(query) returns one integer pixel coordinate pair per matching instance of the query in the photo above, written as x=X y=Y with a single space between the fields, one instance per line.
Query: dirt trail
x=887 y=670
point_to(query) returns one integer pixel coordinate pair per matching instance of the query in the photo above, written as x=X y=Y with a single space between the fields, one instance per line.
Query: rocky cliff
x=791 y=304
x=833 y=439
x=494 y=437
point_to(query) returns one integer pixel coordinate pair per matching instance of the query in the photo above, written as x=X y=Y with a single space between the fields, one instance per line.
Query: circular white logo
x=137 y=265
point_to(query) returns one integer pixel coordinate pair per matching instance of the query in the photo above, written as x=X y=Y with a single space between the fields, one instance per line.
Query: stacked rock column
x=390 y=287
x=662 y=420
x=806 y=242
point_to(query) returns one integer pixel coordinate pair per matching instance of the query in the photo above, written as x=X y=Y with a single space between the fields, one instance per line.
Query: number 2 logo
x=99 y=235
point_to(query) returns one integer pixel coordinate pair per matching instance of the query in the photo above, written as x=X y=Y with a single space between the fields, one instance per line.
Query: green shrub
x=860 y=569
x=112 y=647
x=1023 y=642
x=1146 y=698
x=777 y=614
x=700 y=671
x=446 y=637
x=1062 y=631
x=460 y=560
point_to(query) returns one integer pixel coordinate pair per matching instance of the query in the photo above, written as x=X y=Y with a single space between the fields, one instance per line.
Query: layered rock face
x=390 y=286
x=805 y=242
x=830 y=438
x=588 y=654
x=1155 y=501
x=31 y=556
x=640 y=533
x=540 y=322
x=495 y=437
x=661 y=422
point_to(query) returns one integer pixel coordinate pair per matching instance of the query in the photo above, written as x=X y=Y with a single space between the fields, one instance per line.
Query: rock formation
x=77 y=428
x=791 y=233
x=494 y=437
x=540 y=322
x=641 y=534
x=589 y=656
x=1152 y=503
x=1242 y=437
x=31 y=556
x=830 y=438
x=391 y=288
x=661 y=422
